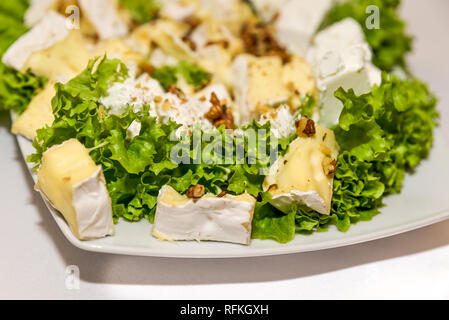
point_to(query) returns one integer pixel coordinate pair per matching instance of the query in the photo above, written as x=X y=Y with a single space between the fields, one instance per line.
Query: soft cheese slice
x=341 y=57
x=62 y=61
x=51 y=30
x=104 y=16
x=297 y=22
x=226 y=219
x=299 y=177
x=257 y=84
x=75 y=186
x=37 y=115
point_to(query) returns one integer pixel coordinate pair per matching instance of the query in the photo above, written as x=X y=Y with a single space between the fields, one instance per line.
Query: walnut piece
x=305 y=127
x=329 y=166
x=195 y=192
x=219 y=114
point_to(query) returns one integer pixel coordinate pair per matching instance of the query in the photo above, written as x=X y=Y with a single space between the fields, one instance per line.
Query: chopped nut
x=329 y=166
x=273 y=187
x=221 y=194
x=178 y=92
x=215 y=112
x=157 y=99
x=305 y=127
x=146 y=67
x=214 y=99
x=195 y=192
x=219 y=114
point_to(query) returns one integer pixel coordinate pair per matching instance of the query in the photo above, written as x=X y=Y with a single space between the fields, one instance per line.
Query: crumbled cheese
x=281 y=120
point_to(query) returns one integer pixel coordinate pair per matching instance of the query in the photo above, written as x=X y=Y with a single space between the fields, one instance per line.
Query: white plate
x=424 y=200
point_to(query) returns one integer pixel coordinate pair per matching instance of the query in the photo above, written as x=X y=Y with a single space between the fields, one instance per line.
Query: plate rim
x=254 y=252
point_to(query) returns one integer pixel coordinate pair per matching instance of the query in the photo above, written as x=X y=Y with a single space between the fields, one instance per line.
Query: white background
x=34 y=254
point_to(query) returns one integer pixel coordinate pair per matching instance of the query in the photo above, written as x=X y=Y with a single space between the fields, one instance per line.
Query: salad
x=220 y=120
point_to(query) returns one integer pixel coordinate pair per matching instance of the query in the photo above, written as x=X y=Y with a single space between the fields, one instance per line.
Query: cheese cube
x=341 y=57
x=299 y=177
x=51 y=30
x=76 y=187
x=210 y=218
x=298 y=21
x=104 y=16
x=261 y=83
x=257 y=84
x=268 y=9
x=38 y=114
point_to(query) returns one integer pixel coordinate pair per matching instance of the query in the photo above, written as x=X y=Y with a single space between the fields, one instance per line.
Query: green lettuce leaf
x=382 y=135
x=390 y=43
x=142 y=11
x=136 y=169
x=16 y=88
x=193 y=75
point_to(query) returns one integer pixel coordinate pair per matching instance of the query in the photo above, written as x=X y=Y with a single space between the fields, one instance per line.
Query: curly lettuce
x=390 y=43
x=136 y=169
x=142 y=11
x=16 y=88
x=194 y=75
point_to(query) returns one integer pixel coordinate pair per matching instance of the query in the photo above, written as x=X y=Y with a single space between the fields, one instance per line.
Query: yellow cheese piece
x=301 y=169
x=62 y=61
x=297 y=76
x=63 y=168
x=117 y=48
x=37 y=115
x=264 y=85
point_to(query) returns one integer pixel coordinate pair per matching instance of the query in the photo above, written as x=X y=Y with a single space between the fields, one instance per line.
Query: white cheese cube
x=104 y=17
x=52 y=29
x=267 y=9
x=341 y=57
x=299 y=177
x=298 y=21
x=210 y=218
x=76 y=187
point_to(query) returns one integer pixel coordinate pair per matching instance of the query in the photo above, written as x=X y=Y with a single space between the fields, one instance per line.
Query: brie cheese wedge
x=256 y=84
x=104 y=16
x=51 y=30
x=210 y=218
x=341 y=57
x=299 y=178
x=76 y=187
x=261 y=83
x=38 y=114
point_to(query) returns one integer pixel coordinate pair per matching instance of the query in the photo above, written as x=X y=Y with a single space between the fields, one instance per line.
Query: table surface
x=35 y=255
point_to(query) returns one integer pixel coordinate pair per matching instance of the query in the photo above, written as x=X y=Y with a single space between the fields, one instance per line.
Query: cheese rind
x=38 y=114
x=50 y=30
x=298 y=178
x=341 y=57
x=76 y=187
x=226 y=219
